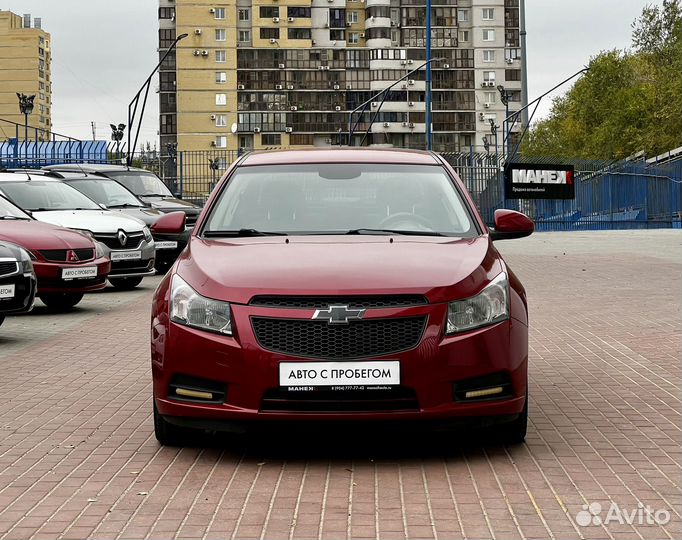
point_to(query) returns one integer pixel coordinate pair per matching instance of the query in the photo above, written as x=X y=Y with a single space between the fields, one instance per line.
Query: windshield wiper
x=394 y=231
x=127 y=205
x=243 y=233
x=165 y=195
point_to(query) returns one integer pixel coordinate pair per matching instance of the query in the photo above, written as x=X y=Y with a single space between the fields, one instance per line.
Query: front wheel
x=171 y=435
x=61 y=301
x=125 y=283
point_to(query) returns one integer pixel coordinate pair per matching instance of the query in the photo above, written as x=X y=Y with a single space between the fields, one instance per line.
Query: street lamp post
x=505 y=96
x=427 y=115
x=26 y=108
x=493 y=132
x=117 y=136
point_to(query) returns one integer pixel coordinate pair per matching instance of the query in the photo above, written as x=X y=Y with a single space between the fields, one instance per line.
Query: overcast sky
x=102 y=52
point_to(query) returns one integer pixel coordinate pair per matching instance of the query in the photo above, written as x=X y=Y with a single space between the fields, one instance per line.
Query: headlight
x=85 y=232
x=147 y=234
x=25 y=263
x=490 y=306
x=101 y=250
x=191 y=309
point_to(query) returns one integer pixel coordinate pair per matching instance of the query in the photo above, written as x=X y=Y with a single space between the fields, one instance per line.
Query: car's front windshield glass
x=142 y=184
x=38 y=196
x=338 y=198
x=10 y=211
x=108 y=192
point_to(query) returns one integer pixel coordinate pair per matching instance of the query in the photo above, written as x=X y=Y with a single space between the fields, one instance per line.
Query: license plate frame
x=8 y=291
x=166 y=244
x=135 y=255
x=331 y=374
x=87 y=272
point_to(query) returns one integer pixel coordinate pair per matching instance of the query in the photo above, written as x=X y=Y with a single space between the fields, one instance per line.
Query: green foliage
x=627 y=102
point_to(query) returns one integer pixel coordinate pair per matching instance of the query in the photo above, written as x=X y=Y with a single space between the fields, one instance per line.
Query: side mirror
x=511 y=224
x=172 y=223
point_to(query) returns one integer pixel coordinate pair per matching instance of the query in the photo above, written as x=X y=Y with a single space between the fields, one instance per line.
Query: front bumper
x=24 y=294
x=143 y=266
x=429 y=372
x=49 y=275
x=167 y=256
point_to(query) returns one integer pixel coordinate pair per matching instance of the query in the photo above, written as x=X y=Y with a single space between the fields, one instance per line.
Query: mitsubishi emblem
x=338 y=314
x=122 y=237
x=71 y=256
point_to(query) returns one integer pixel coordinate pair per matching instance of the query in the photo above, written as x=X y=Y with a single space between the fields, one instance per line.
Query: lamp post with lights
x=117 y=136
x=26 y=107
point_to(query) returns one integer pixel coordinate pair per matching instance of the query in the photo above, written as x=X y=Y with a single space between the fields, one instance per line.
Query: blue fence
x=31 y=154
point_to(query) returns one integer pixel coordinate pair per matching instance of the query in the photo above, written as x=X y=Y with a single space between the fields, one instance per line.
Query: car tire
x=61 y=301
x=171 y=435
x=514 y=432
x=2 y=319
x=125 y=283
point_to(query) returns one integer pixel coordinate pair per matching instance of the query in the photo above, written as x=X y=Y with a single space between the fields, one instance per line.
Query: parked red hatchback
x=341 y=285
x=67 y=263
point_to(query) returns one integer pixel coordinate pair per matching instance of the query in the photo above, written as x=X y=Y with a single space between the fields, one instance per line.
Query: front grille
x=354 y=302
x=112 y=241
x=8 y=267
x=317 y=339
x=128 y=267
x=390 y=399
x=60 y=255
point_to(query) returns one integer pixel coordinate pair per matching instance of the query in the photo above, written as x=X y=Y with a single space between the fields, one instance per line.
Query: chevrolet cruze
x=341 y=285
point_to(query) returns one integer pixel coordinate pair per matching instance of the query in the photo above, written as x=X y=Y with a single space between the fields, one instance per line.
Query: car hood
x=35 y=235
x=171 y=204
x=147 y=215
x=439 y=268
x=96 y=221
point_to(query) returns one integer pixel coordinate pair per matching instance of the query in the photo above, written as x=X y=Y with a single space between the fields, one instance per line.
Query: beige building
x=25 y=57
x=285 y=73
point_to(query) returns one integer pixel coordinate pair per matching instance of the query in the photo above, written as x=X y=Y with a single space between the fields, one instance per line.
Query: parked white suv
x=127 y=241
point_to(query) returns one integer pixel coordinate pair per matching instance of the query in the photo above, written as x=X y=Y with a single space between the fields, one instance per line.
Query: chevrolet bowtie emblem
x=338 y=314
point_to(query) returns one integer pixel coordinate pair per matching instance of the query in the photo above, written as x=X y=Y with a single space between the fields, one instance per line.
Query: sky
x=103 y=51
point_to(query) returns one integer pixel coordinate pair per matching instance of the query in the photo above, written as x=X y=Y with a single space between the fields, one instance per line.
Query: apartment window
x=244 y=14
x=221 y=99
x=488 y=35
x=168 y=124
x=353 y=37
x=464 y=35
x=166 y=38
x=221 y=56
x=337 y=35
x=488 y=56
x=221 y=141
x=220 y=120
x=268 y=12
x=512 y=74
x=302 y=12
x=220 y=77
x=220 y=34
x=166 y=13
x=269 y=33
x=488 y=14
x=489 y=76
x=244 y=36
x=299 y=33
x=271 y=139
x=463 y=15
x=246 y=141
x=490 y=98
x=219 y=13
x=352 y=16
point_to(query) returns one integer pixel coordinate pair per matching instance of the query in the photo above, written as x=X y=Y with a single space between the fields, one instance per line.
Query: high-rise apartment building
x=25 y=59
x=286 y=73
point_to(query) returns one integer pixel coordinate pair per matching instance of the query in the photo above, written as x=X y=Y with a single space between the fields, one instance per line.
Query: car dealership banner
x=529 y=181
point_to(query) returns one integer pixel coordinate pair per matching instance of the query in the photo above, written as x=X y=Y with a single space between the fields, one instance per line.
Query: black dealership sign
x=532 y=181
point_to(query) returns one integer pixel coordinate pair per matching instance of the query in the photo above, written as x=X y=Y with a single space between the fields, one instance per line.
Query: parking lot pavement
x=78 y=457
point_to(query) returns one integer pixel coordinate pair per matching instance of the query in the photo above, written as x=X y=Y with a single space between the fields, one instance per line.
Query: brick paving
x=78 y=458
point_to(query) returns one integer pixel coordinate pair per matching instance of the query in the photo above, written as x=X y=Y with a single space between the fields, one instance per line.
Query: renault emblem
x=338 y=314
x=122 y=237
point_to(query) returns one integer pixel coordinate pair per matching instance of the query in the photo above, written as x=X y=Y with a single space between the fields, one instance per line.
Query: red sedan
x=67 y=263
x=341 y=285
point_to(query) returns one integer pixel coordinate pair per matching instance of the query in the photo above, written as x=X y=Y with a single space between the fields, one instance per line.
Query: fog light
x=186 y=392
x=483 y=393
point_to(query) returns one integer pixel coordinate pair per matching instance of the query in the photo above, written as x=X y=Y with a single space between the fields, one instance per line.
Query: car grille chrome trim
x=112 y=242
x=353 y=302
x=359 y=339
x=60 y=255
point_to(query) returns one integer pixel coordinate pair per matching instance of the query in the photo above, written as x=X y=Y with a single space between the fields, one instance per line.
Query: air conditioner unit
x=275 y=19
x=326 y=25
x=336 y=87
x=403 y=62
x=204 y=53
x=510 y=61
x=240 y=87
x=446 y=66
x=349 y=87
x=273 y=40
x=256 y=130
x=197 y=53
x=293 y=108
x=213 y=117
x=288 y=129
x=410 y=82
x=312 y=41
x=279 y=87
x=481 y=117
x=404 y=124
x=486 y=105
x=281 y=66
x=212 y=10
x=410 y=61
x=213 y=143
x=197 y=32
x=375 y=103
x=403 y=86
x=411 y=125
x=410 y=103
x=362 y=34
x=337 y=108
x=393 y=23
x=290 y=86
x=386 y=124
x=290 y=19
x=320 y=68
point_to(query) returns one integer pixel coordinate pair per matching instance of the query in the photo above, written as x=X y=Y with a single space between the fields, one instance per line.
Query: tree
x=628 y=101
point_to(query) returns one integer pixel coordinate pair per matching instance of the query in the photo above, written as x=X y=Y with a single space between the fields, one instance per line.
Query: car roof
x=341 y=155
x=26 y=176
x=92 y=168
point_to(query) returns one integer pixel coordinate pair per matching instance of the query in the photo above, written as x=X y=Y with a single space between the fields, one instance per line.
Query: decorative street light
x=117 y=135
x=26 y=108
x=505 y=97
x=493 y=131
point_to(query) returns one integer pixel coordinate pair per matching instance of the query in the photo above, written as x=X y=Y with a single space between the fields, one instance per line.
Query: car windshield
x=10 y=211
x=142 y=184
x=39 y=196
x=105 y=191
x=340 y=199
